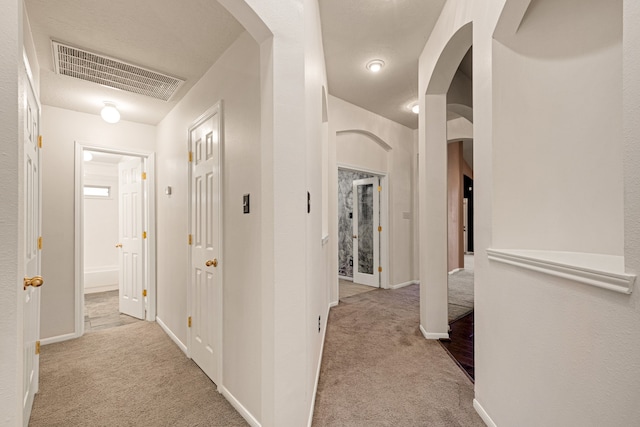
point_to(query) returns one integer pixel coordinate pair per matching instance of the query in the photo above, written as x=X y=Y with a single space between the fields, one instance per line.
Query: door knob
x=35 y=281
x=119 y=245
x=211 y=262
x=355 y=236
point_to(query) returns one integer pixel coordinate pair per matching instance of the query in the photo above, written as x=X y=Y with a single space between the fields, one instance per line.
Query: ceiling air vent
x=93 y=67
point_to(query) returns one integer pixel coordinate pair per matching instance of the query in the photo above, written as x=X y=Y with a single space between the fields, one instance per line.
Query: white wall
x=60 y=129
x=11 y=213
x=558 y=137
x=579 y=343
x=101 y=229
x=317 y=257
x=233 y=79
x=361 y=151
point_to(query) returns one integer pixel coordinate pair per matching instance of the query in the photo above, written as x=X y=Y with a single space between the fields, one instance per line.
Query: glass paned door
x=366 y=237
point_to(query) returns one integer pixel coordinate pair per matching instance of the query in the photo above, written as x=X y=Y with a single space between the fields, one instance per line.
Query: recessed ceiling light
x=375 y=65
x=415 y=107
x=87 y=156
x=110 y=113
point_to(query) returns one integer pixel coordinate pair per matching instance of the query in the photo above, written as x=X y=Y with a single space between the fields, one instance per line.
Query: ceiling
x=166 y=36
x=357 y=31
x=171 y=36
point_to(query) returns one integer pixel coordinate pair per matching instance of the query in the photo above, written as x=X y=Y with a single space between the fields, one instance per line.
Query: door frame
x=384 y=221
x=148 y=158
x=219 y=108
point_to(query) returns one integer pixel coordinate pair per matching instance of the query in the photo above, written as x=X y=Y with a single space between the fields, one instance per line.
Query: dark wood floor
x=460 y=344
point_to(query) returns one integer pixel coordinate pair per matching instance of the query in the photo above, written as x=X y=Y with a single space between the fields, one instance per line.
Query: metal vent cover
x=93 y=67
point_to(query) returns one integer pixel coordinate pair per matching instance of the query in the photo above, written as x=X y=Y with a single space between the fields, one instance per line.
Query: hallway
x=131 y=375
x=378 y=370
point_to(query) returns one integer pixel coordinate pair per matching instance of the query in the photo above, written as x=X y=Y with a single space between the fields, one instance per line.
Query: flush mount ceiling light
x=415 y=107
x=375 y=65
x=110 y=113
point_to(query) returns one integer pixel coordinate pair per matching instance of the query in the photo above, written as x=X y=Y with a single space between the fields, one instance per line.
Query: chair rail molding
x=602 y=271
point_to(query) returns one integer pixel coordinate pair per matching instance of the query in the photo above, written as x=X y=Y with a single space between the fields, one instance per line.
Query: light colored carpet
x=378 y=370
x=132 y=375
x=460 y=294
x=101 y=311
x=349 y=289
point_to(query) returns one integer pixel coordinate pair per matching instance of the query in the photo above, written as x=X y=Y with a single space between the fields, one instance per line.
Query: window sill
x=602 y=271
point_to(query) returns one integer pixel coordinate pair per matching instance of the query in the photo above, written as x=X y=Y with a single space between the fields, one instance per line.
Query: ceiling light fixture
x=375 y=65
x=87 y=156
x=415 y=107
x=110 y=113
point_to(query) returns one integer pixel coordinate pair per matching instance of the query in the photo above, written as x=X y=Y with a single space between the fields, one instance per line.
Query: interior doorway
x=115 y=248
x=361 y=234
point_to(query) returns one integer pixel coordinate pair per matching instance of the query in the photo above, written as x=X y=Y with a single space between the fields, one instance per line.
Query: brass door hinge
x=379 y=269
x=144 y=292
x=37 y=347
x=190 y=239
x=190 y=156
x=379 y=188
x=40 y=242
x=39 y=141
x=144 y=175
x=144 y=234
x=189 y=321
x=379 y=229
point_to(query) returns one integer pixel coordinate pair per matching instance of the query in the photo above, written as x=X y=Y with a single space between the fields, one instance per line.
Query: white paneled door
x=205 y=290
x=366 y=231
x=132 y=235
x=32 y=246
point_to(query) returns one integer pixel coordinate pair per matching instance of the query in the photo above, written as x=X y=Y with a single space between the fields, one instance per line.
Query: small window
x=97 y=191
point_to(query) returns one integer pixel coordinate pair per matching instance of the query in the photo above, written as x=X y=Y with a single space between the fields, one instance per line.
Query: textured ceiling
x=179 y=38
x=356 y=31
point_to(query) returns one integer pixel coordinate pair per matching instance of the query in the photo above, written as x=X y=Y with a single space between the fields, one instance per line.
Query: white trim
x=325 y=240
x=244 y=412
x=433 y=335
x=347 y=278
x=455 y=270
x=334 y=304
x=148 y=160
x=483 y=414
x=171 y=335
x=353 y=168
x=592 y=269
x=384 y=236
x=59 y=338
x=101 y=288
x=315 y=386
x=405 y=284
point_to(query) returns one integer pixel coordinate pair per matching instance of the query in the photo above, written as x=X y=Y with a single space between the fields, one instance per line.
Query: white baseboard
x=455 y=270
x=315 y=386
x=402 y=285
x=59 y=338
x=173 y=336
x=348 y=279
x=100 y=288
x=483 y=414
x=333 y=304
x=433 y=335
x=249 y=418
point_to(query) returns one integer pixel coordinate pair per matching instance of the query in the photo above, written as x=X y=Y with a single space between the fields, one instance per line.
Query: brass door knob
x=211 y=262
x=119 y=245
x=35 y=281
